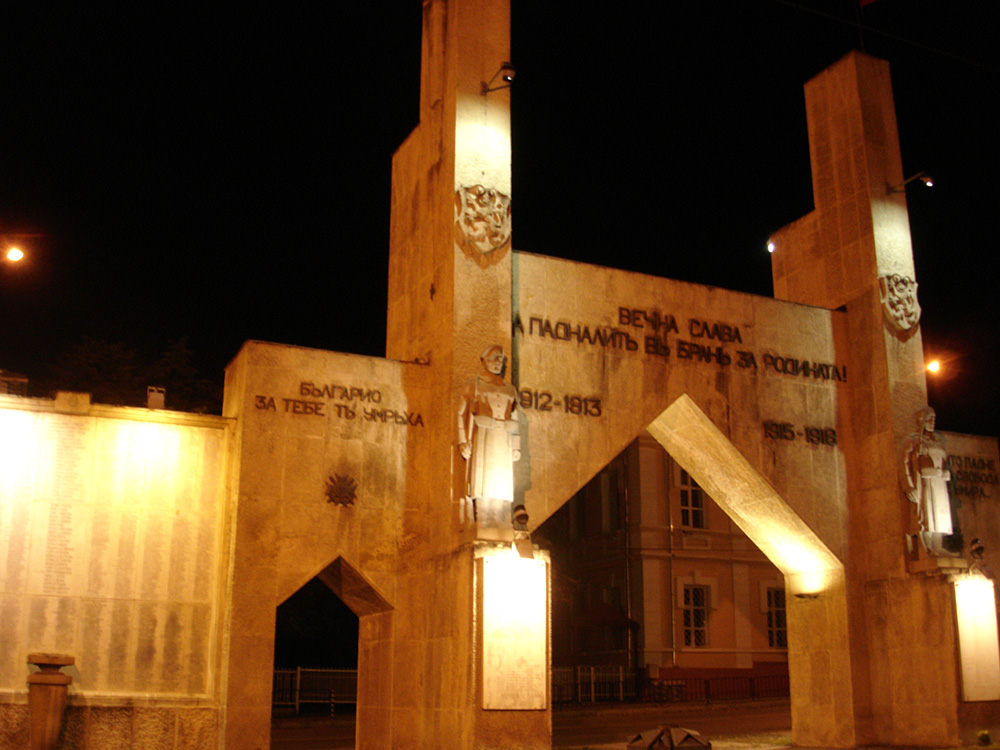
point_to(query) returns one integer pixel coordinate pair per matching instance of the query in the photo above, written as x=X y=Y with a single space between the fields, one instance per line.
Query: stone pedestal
x=47 y=698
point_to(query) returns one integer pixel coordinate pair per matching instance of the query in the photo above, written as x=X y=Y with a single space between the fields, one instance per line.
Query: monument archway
x=816 y=605
x=315 y=652
x=702 y=449
x=790 y=411
x=398 y=480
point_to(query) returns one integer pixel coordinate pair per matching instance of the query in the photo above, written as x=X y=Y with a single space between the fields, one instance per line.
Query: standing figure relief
x=924 y=476
x=489 y=439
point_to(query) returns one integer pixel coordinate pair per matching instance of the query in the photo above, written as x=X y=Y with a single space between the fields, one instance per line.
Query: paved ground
x=761 y=724
x=764 y=725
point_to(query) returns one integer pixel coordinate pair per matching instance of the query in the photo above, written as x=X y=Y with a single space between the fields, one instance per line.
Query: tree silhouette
x=115 y=374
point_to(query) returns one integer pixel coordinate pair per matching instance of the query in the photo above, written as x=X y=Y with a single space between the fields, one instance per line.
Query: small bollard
x=47 y=698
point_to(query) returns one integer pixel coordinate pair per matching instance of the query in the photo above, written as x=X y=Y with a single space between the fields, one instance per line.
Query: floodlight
x=922 y=176
x=506 y=74
x=976 y=549
x=522 y=539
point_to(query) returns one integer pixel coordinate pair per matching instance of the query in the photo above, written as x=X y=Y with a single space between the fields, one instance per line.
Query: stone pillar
x=47 y=698
x=852 y=251
x=449 y=260
x=449 y=301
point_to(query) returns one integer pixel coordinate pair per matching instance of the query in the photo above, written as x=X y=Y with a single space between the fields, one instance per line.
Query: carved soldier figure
x=924 y=474
x=488 y=439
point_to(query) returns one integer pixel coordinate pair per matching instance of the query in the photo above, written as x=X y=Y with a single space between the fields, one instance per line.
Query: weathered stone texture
x=14 y=728
x=197 y=729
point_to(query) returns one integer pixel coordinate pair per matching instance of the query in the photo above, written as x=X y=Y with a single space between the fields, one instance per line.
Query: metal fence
x=295 y=687
x=622 y=684
x=706 y=690
x=595 y=684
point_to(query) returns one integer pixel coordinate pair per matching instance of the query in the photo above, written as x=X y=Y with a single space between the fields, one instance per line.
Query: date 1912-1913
x=581 y=406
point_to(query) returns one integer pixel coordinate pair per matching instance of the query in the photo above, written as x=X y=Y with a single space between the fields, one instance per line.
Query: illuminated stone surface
x=113 y=542
x=515 y=670
x=975 y=602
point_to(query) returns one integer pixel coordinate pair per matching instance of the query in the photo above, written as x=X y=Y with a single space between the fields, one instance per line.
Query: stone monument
x=792 y=413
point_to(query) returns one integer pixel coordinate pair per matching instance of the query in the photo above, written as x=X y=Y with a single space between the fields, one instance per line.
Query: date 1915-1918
x=812 y=435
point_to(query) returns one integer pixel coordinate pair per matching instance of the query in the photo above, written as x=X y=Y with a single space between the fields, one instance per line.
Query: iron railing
x=622 y=684
x=295 y=687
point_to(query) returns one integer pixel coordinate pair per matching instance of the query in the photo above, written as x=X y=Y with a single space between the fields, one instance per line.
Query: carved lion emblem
x=482 y=219
x=899 y=301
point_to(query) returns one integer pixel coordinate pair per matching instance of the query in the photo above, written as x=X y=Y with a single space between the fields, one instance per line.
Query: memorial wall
x=112 y=548
x=974 y=485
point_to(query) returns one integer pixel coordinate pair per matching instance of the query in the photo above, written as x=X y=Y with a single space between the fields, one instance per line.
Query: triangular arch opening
x=705 y=452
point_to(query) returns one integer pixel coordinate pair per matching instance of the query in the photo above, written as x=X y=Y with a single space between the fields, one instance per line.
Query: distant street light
x=10 y=247
x=934 y=365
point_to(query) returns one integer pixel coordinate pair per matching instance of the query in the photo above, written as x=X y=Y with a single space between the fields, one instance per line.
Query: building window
x=692 y=503
x=777 y=629
x=695 y=609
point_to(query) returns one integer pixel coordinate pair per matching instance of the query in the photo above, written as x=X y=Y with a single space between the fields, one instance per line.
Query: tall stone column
x=449 y=309
x=853 y=251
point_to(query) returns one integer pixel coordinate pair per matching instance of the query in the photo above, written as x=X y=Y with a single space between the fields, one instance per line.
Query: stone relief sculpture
x=924 y=475
x=341 y=490
x=489 y=441
x=482 y=220
x=899 y=301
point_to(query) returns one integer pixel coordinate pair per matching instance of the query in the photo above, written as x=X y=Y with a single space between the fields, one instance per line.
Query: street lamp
x=922 y=176
x=11 y=250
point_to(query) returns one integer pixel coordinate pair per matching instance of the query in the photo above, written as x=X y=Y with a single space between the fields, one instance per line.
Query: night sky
x=222 y=173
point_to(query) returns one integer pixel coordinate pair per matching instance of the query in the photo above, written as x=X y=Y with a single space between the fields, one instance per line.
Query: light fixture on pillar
x=506 y=74
x=922 y=176
x=522 y=539
x=976 y=551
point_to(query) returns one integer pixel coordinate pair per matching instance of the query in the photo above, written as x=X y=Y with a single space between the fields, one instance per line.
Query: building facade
x=652 y=573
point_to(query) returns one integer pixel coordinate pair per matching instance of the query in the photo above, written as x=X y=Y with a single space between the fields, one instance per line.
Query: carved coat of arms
x=899 y=301
x=482 y=220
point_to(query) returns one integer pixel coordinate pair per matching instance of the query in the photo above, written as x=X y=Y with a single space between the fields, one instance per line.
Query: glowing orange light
x=977 y=638
x=14 y=254
x=934 y=365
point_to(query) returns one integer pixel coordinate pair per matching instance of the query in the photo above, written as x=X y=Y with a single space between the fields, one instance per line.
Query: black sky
x=223 y=172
